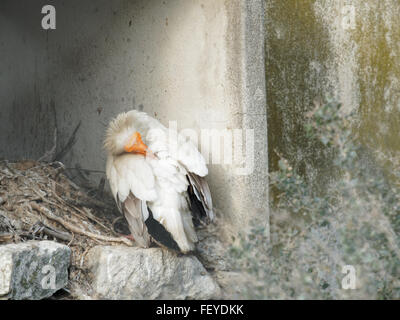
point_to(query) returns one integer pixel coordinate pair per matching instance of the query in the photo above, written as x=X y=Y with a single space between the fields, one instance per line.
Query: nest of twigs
x=39 y=202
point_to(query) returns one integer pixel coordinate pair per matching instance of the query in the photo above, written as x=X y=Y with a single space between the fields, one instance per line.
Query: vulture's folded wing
x=134 y=210
x=200 y=199
x=132 y=184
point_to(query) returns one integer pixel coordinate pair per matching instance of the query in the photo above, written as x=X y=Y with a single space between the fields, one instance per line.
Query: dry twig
x=75 y=229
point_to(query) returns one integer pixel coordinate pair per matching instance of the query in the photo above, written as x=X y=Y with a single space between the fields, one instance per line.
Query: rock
x=33 y=270
x=211 y=251
x=136 y=274
x=233 y=284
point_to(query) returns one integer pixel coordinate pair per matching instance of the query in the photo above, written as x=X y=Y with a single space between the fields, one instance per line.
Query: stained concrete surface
x=348 y=50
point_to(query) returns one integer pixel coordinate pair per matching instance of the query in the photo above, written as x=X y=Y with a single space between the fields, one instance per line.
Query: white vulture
x=157 y=183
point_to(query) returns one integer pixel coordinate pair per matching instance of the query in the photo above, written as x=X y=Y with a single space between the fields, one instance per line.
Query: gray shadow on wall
x=49 y=78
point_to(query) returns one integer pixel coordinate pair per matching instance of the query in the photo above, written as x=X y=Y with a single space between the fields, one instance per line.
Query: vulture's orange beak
x=136 y=145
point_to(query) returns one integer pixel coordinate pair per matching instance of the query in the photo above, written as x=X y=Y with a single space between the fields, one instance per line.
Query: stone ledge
x=130 y=273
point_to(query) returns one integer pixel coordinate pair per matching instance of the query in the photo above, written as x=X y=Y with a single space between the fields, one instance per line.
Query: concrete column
x=344 y=49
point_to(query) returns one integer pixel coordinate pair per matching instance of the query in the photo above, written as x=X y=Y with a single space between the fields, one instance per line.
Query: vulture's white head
x=123 y=137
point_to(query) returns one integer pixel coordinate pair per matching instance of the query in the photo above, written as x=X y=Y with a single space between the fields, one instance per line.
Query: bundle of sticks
x=38 y=201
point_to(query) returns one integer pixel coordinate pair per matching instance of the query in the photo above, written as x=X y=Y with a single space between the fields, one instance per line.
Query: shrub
x=316 y=230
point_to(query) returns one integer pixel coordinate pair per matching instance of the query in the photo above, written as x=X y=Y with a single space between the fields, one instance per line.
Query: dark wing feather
x=160 y=235
x=145 y=231
x=133 y=209
x=200 y=199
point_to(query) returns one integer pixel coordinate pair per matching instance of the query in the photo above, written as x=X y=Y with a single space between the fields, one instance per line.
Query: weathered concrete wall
x=200 y=63
x=346 y=49
x=26 y=117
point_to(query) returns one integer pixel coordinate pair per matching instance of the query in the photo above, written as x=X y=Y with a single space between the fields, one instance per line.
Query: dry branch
x=75 y=229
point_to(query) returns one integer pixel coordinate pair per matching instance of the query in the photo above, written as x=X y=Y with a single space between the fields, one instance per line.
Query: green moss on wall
x=378 y=39
x=297 y=57
x=309 y=55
